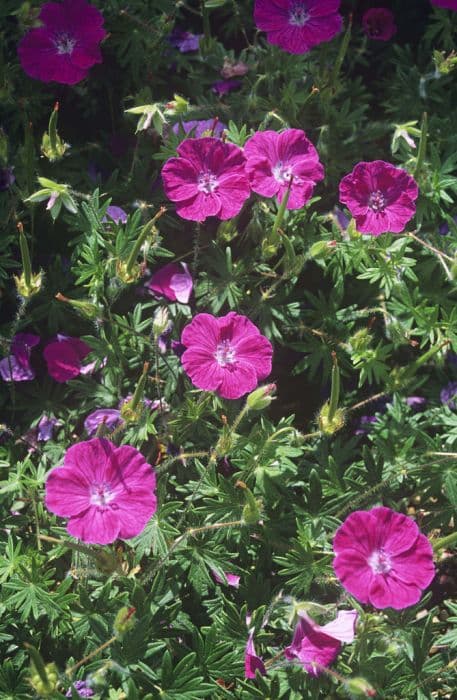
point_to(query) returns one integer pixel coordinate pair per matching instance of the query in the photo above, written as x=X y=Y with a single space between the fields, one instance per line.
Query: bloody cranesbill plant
x=298 y=25
x=106 y=491
x=382 y=558
x=173 y=281
x=66 y=45
x=279 y=162
x=227 y=355
x=380 y=196
x=64 y=357
x=208 y=179
x=16 y=367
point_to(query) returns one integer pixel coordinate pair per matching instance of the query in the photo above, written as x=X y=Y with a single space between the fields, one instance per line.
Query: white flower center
x=207 y=182
x=298 y=16
x=379 y=562
x=282 y=173
x=377 y=201
x=64 y=43
x=225 y=354
x=101 y=494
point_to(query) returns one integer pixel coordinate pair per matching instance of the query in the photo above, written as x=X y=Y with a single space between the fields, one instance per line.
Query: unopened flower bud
x=327 y=425
x=128 y=274
x=84 y=308
x=125 y=621
x=260 y=398
x=321 y=249
x=160 y=321
x=251 y=514
x=359 y=687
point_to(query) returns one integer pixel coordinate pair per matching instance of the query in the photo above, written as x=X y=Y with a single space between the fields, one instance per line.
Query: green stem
x=52 y=130
x=445 y=542
x=335 y=392
x=422 y=146
x=281 y=211
x=341 y=54
x=145 y=231
x=25 y=254
x=138 y=395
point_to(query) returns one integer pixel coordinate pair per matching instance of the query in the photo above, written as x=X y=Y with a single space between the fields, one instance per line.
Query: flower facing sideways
x=227 y=355
x=67 y=44
x=380 y=197
x=252 y=662
x=274 y=159
x=173 y=281
x=64 y=357
x=382 y=558
x=317 y=647
x=298 y=25
x=207 y=179
x=106 y=491
x=16 y=367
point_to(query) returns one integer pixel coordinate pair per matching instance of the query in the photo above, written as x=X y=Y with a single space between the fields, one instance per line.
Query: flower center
x=64 y=43
x=377 y=201
x=225 y=354
x=101 y=494
x=282 y=173
x=379 y=562
x=298 y=16
x=207 y=182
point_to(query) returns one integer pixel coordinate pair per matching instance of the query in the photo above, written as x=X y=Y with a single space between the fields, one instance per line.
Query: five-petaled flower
x=106 y=491
x=227 y=355
x=67 y=44
x=208 y=179
x=380 y=197
x=378 y=23
x=382 y=558
x=298 y=25
x=317 y=647
x=277 y=161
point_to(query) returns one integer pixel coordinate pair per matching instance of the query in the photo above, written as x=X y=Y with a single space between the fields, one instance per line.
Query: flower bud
x=84 y=308
x=327 y=425
x=160 y=321
x=251 y=514
x=260 y=398
x=125 y=621
x=321 y=249
x=128 y=273
x=359 y=687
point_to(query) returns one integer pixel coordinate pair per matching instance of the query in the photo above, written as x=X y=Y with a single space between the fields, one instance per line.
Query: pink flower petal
x=95 y=526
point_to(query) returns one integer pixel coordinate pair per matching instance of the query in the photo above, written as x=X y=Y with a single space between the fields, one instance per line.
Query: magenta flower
x=230 y=579
x=106 y=491
x=16 y=367
x=227 y=355
x=379 y=196
x=298 y=25
x=378 y=23
x=173 y=281
x=111 y=417
x=64 y=358
x=252 y=662
x=382 y=558
x=274 y=158
x=200 y=127
x=208 y=179
x=317 y=647
x=67 y=44
x=447 y=4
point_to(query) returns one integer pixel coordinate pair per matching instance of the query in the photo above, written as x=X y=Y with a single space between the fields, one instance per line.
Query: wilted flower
x=172 y=281
x=67 y=44
x=64 y=358
x=382 y=558
x=208 y=179
x=111 y=417
x=227 y=355
x=116 y=214
x=273 y=159
x=106 y=491
x=252 y=662
x=317 y=647
x=298 y=25
x=200 y=127
x=223 y=87
x=233 y=69
x=45 y=428
x=380 y=197
x=16 y=367
x=378 y=23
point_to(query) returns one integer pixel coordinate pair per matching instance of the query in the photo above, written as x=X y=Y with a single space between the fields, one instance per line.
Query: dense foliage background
x=380 y=310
